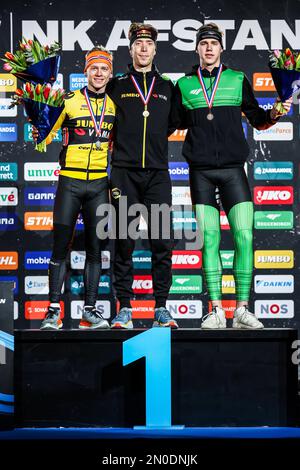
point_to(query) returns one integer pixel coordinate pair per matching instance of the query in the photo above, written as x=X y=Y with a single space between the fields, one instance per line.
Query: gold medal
x=146 y=113
x=98 y=144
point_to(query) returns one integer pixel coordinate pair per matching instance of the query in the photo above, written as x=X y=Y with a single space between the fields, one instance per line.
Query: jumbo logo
x=38 y=221
x=8 y=82
x=280 y=259
x=8 y=260
x=263 y=82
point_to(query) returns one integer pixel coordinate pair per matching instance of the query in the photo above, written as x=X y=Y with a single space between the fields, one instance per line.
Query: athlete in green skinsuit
x=209 y=102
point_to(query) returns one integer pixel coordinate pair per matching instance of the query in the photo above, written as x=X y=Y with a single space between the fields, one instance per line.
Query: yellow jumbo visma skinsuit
x=79 y=157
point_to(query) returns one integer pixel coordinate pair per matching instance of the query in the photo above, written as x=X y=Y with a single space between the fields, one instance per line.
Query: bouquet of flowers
x=285 y=71
x=34 y=62
x=43 y=106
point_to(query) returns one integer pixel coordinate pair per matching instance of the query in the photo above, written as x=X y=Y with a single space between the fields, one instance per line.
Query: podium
x=75 y=378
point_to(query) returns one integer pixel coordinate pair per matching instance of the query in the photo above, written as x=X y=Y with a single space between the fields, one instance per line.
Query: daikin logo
x=274 y=284
x=41 y=171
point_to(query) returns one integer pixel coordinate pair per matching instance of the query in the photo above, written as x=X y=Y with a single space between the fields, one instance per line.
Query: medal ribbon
x=145 y=99
x=210 y=100
x=97 y=127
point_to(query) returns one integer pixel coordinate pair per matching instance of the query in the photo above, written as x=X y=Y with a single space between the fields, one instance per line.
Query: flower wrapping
x=42 y=72
x=285 y=70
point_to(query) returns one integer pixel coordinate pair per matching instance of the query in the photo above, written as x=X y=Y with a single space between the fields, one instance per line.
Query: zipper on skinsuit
x=145 y=124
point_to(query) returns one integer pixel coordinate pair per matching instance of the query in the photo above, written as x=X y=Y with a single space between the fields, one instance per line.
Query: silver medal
x=210 y=116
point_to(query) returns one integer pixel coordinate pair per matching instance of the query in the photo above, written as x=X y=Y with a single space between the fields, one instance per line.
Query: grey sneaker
x=162 y=317
x=246 y=320
x=123 y=319
x=92 y=319
x=214 y=320
x=52 y=319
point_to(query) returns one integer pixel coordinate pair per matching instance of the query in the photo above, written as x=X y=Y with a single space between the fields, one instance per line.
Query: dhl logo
x=8 y=260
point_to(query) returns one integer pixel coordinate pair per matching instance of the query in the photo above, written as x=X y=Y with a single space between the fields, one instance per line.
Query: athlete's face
x=98 y=75
x=209 y=51
x=142 y=52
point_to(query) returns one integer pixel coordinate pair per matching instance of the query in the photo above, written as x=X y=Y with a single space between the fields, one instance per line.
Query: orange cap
x=98 y=56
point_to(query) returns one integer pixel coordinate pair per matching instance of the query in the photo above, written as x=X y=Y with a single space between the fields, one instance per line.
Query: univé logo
x=263 y=82
x=274 y=195
x=38 y=220
x=8 y=260
x=36 y=310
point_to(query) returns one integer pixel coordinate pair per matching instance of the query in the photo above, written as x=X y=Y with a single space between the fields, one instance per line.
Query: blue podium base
x=157 y=428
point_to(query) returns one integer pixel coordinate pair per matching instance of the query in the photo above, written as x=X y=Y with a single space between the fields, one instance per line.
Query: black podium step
x=219 y=378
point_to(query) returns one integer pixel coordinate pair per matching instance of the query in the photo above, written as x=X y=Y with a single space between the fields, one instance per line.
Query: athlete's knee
x=243 y=238
x=62 y=237
x=212 y=239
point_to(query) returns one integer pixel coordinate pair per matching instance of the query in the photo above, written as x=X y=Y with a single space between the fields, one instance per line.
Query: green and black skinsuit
x=216 y=151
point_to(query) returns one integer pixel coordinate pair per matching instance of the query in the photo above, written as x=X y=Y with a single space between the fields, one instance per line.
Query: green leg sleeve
x=240 y=219
x=208 y=218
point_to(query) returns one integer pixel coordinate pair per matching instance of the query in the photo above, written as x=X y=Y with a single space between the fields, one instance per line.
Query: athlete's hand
x=281 y=108
x=35 y=133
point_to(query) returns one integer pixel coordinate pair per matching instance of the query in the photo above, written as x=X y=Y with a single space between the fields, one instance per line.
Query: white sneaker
x=214 y=320
x=244 y=319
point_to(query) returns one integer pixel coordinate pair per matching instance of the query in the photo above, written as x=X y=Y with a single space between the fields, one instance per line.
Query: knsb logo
x=78 y=259
x=8 y=197
x=280 y=131
x=179 y=171
x=186 y=285
x=103 y=306
x=224 y=221
x=280 y=259
x=178 y=136
x=36 y=310
x=273 y=170
x=142 y=285
x=8 y=132
x=186 y=260
x=9 y=260
x=274 y=220
x=5 y=109
x=8 y=221
x=39 y=196
x=263 y=82
x=227 y=257
x=41 y=171
x=228 y=305
x=8 y=82
x=36 y=285
x=274 y=284
x=38 y=221
x=273 y=195
x=228 y=285
x=185 y=309
x=273 y=309
x=37 y=259
x=8 y=171
x=181 y=196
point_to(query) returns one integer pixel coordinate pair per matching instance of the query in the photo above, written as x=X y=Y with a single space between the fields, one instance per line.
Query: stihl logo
x=38 y=221
x=186 y=259
x=142 y=285
x=263 y=82
x=8 y=260
x=224 y=221
x=273 y=195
